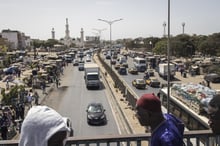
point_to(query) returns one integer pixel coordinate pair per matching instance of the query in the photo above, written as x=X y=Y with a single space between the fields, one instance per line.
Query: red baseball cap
x=149 y=102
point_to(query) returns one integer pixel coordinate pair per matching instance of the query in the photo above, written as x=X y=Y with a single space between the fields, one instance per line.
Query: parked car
x=153 y=82
x=133 y=70
x=122 y=71
x=139 y=83
x=10 y=70
x=212 y=77
x=96 y=114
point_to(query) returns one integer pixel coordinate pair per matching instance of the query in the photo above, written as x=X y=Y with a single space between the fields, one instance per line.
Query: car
x=139 y=83
x=150 y=72
x=10 y=70
x=113 y=61
x=212 y=77
x=125 y=64
x=75 y=62
x=153 y=82
x=122 y=71
x=88 y=59
x=96 y=114
x=69 y=125
x=81 y=66
x=117 y=66
x=133 y=70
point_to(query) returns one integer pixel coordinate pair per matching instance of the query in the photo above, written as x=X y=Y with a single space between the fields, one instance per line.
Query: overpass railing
x=191 y=138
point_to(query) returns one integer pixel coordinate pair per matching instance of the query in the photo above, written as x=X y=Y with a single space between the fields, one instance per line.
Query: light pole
x=164 y=29
x=110 y=24
x=99 y=33
x=151 y=46
x=183 y=24
x=168 y=58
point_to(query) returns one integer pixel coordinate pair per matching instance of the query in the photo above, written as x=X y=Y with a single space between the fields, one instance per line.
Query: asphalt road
x=72 y=98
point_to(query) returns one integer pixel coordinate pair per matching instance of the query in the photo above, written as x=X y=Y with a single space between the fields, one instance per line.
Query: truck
x=92 y=75
x=163 y=70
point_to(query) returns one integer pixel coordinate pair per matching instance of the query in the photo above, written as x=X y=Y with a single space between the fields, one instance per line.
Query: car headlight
x=90 y=117
x=102 y=117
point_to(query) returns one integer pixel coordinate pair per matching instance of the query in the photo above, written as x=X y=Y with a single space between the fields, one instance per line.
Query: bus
x=140 y=64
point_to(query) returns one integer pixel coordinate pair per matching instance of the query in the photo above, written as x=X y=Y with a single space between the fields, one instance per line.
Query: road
x=72 y=98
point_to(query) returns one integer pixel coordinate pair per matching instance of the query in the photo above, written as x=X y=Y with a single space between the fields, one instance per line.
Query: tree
x=160 y=47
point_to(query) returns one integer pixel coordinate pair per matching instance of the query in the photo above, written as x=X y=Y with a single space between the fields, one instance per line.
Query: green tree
x=160 y=47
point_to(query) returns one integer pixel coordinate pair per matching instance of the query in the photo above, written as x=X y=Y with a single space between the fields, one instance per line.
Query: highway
x=72 y=98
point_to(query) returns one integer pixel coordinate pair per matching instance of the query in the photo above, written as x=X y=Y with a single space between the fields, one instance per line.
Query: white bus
x=140 y=64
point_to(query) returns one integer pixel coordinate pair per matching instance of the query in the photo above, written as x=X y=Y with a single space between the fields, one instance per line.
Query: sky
x=140 y=18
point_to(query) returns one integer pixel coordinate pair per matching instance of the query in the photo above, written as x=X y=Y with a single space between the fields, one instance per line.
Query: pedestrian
x=57 y=82
x=4 y=123
x=7 y=84
x=214 y=114
x=43 y=126
x=36 y=98
x=43 y=86
x=166 y=129
x=30 y=99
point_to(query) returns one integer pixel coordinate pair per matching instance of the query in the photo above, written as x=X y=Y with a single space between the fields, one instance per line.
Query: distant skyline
x=141 y=18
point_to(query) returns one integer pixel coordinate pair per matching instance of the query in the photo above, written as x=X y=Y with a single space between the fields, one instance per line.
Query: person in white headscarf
x=43 y=126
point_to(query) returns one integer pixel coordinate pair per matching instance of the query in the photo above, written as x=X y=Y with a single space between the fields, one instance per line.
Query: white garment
x=39 y=125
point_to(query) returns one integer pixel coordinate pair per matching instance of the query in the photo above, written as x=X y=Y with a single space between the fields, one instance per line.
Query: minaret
x=82 y=37
x=53 y=33
x=67 y=29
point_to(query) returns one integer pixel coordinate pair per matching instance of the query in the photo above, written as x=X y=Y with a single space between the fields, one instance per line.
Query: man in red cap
x=166 y=129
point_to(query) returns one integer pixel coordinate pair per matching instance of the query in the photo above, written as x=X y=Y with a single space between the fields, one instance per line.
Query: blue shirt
x=169 y=133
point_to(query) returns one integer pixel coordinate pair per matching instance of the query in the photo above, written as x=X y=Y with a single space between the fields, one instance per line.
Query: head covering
x=214 y=104
x=149 y=102
x=215 y=101
x=39 y=125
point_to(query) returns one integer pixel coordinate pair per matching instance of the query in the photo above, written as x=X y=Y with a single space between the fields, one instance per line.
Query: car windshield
x=140 y=81
x=92 y=77
x=95 y=109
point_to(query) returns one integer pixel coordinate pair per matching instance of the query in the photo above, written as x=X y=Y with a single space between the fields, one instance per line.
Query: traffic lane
x=129 y=78
x=75 y=102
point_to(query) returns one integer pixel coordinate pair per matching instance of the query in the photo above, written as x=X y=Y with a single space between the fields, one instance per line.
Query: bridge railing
x=191 y=138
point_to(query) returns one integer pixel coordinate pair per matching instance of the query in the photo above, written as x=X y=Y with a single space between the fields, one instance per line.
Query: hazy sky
x=141 y=18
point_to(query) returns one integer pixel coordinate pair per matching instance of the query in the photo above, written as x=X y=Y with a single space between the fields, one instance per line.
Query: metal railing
x=191 y=138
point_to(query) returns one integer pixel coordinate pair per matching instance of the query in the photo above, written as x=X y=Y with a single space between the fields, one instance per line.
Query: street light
x=99 y=34
x=110 y=24
x=164 y=29
x=168 y=58
x=183 y=24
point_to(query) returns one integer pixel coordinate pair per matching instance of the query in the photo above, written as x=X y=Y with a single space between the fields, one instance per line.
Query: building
x=17 y=40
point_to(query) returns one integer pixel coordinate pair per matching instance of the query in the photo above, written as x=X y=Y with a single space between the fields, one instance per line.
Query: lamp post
x=151 y=46
x=183 y=24
x=110 y=24
x=99 y=34
x=164 y=29
x=168 y=58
